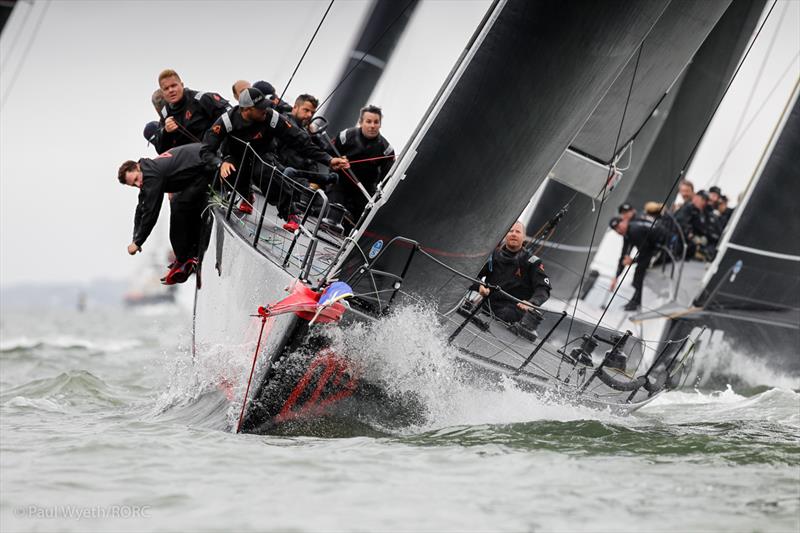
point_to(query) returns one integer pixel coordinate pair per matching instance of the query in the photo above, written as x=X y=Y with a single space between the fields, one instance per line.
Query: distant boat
x=146 y=288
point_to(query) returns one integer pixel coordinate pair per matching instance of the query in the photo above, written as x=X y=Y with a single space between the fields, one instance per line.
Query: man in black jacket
x=626 y=211
x=518 y=273
x=700 y=229
x=362 y=142
x=179 y=169
x=303 y=170
x=647 y=237
x=253 y=123
x=187 y=113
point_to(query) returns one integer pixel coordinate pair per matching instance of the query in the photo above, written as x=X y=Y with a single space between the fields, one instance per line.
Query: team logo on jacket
x=216 y=128
x=188 y=114
x=217 y=98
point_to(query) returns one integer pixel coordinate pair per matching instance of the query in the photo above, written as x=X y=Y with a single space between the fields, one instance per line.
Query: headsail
x=519 y=94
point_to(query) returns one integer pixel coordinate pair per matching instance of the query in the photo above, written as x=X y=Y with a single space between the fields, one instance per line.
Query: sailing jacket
x=289 y=156
x=352 y=144
x=646 y=236
x=175 y=170
x=230 y=133
x=696 y=223
x=521 y=275
x=195 y=113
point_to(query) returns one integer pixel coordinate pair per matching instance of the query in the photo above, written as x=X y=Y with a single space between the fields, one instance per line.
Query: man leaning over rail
x=177 y=169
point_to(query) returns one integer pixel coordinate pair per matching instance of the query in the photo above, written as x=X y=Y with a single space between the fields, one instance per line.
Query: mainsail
x=522 y=90
x=710 y=68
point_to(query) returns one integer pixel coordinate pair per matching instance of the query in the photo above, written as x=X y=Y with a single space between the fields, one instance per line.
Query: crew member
x=685 y=194
x=237 y=87
x=647 y=237
x=724 y=213
x=188 y=114
x=362 y=142
x=699 y=231
x=254 y=123
x=626 y=212
x=518 y=273
x=180 y=169
x=268 y=90
x=305 y=171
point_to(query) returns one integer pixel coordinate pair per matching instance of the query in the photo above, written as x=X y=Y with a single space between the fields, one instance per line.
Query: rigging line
x=735 y=142
x=756 y=82
x=21 y=64
x=691 y=155
x=19 y=33
x=306 y=50
x=366 y=53
x=605 y=193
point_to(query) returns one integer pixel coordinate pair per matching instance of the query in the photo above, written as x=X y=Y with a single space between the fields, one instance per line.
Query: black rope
x=691 y=155
x=365 y=54
x=306 y=50
x=605 y=193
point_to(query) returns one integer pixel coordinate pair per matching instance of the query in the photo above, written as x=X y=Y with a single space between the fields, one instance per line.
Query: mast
x=376 y=42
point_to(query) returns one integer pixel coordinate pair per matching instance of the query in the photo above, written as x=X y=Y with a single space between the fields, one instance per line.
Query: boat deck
x=275 y=243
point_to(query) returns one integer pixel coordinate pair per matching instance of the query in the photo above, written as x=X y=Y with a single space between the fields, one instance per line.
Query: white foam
x=67 y=342
x=720 y=358
x=407 y=353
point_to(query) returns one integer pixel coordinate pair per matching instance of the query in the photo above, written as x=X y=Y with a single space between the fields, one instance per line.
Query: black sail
x=754 y=291
x=565 y=253
x=377 y=39
x=703 y=88
x=530 y=77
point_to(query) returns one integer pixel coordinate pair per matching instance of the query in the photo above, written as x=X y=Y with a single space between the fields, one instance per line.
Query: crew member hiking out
x=254 y=123
x=362 y=142
x=179 y=169
x=638 y=233
x=517 y=272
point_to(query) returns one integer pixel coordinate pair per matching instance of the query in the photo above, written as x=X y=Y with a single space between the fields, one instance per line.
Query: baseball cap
x=624 y=208
x=265 y=87
x=252 y=97
x=702 y=194
x=150 y=130
x=715 y=189
x=614 y=222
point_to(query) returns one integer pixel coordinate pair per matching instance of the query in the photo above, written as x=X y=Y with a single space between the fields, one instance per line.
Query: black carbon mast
x=376 y=42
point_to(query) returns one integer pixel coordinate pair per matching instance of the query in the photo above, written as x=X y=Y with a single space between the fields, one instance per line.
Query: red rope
x=252 y=369
x=372 y=159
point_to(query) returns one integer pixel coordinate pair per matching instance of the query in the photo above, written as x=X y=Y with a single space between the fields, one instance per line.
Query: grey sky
x=82 y=97
x=79 y=102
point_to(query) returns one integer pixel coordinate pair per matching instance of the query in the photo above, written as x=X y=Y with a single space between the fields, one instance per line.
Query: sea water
x=95 y=435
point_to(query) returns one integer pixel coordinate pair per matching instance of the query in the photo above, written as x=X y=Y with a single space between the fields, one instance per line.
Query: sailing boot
x=634 y=303
x=293 y=224
x=180 y=273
